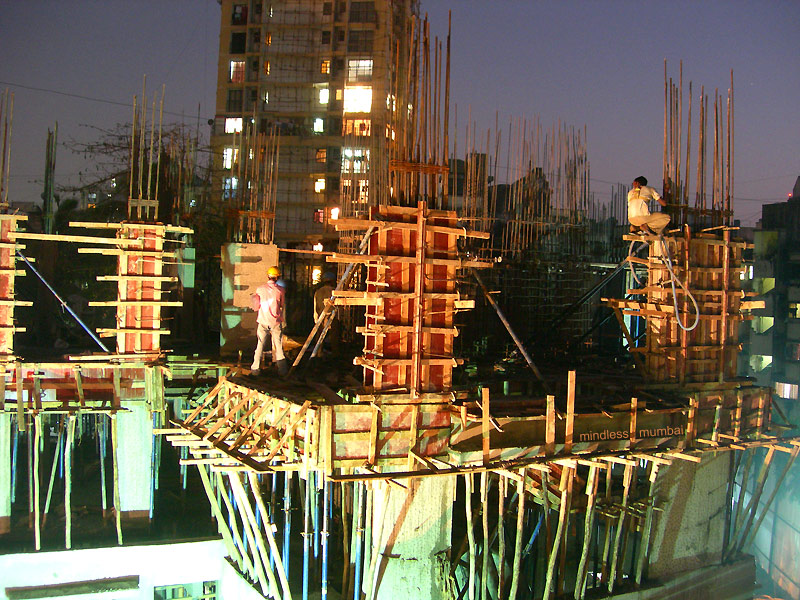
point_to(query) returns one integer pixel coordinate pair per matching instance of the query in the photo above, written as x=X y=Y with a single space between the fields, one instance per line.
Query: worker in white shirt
x=638 y=211
x=270 y=301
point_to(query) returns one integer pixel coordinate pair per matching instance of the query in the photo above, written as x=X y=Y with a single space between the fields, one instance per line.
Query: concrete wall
x=155 y=566
x=689 y=533
x=409 y=525
x=244 y=268
x=135 y=459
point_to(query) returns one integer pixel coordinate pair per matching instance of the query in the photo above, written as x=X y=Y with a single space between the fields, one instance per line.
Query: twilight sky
x=594 y=63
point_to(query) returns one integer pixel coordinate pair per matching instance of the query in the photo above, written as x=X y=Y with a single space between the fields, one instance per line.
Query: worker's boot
x=283 y=367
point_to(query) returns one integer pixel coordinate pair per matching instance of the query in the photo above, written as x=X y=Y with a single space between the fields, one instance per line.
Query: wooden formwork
x=237 y=425
x=141 y=256
x=709 y=265
x=411 y=297
x=9 y=224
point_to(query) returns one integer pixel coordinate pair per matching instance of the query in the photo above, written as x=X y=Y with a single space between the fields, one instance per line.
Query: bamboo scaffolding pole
x=68 y=480
x=239 y=558
x=515 y=569
x=615 y=554
x=37 y=525
x=470 y=536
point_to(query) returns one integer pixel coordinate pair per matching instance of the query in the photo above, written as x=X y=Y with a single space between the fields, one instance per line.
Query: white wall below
x=156 y=566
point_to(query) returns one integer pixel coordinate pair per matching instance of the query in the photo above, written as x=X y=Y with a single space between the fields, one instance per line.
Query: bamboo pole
x=268 y=527
x=222 y=526
x=615 y=558
x=515 y=571
x=648 y=523
x=588 y=528
x=115 y=461
x=264 y=574
x=470 y=536
x=563 y=515
x=37 y=435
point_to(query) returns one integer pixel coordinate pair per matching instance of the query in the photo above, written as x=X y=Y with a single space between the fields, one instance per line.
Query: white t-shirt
x=638 y=199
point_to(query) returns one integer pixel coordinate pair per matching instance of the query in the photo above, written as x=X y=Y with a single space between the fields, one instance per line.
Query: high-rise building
x=325 y=77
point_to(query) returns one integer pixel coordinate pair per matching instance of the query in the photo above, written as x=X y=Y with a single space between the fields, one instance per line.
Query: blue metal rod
x=287 y=518
x=325 y=512
x=63 y=304
x=306 y=533
x=357 y=519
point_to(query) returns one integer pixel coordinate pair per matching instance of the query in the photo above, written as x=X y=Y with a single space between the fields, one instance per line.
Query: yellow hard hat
x=273 y=272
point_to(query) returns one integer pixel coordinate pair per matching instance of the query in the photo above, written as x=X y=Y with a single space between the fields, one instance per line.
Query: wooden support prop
x=563 y=514
x=550 y=426
x=615 y=554
x=502 y=484
x=738 y=541
x=37 y=434
x=644 y=548
x=515 y=570
x=256 y=550
x=485 y=425
x=632 y=433
x=115 y=463
x=631 y=343
x=21 y=424
x=222 y=524
x=588 y=528
x=246 y=512
x=247 y=561
x=485 y=547
x=68 y=481
x=568 y=430
x=53 y=470
x=470 y=536
x=269 y=529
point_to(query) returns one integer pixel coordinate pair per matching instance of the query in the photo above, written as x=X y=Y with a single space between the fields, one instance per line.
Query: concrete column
x=135 y=459
x=411 y=536
x=5 y=472
x=689 y=533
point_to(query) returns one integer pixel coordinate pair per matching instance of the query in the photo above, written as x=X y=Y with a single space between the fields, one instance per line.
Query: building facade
x=323 y=76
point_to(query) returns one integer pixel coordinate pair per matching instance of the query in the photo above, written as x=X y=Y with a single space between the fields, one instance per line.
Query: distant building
x=323 y=75
x=774 y=349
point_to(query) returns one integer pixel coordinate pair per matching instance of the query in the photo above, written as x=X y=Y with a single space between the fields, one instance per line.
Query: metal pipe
x=63 y=304
x=101 y=426
x=306 y=534
x=513 y=335
x=287 y=517
x=325 y=513
x=358 y=499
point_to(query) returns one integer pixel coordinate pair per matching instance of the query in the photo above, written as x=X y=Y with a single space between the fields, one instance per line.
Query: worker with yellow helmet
x=271 y=304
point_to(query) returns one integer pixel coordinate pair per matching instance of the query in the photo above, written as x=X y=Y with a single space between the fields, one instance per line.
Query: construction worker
x=639 y=213
x=270 y=321
x=325 y=292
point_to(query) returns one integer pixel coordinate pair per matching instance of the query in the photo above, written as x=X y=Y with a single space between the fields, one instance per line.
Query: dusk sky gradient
x=593 y=63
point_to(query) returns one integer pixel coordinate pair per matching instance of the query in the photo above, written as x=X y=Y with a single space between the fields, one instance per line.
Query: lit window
x=324 y=94
x=357 y=99
x=229 y=185
x=354 y=160
x=319 y=215
x=359 y=127
x=237 y=71
x=265 y=97
x=319 y=185
x=359 y=69
x=319 y=126
x=229 y=157
x=322 y=155
x=267 y=67
x=233 y=124
x=318 y=247
x=316 y=272
x=268 y=39
x=389 y=132
x=361 y=193
x=325 y=67
x=334 y=213
x=339 y=94
x=391 y=102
